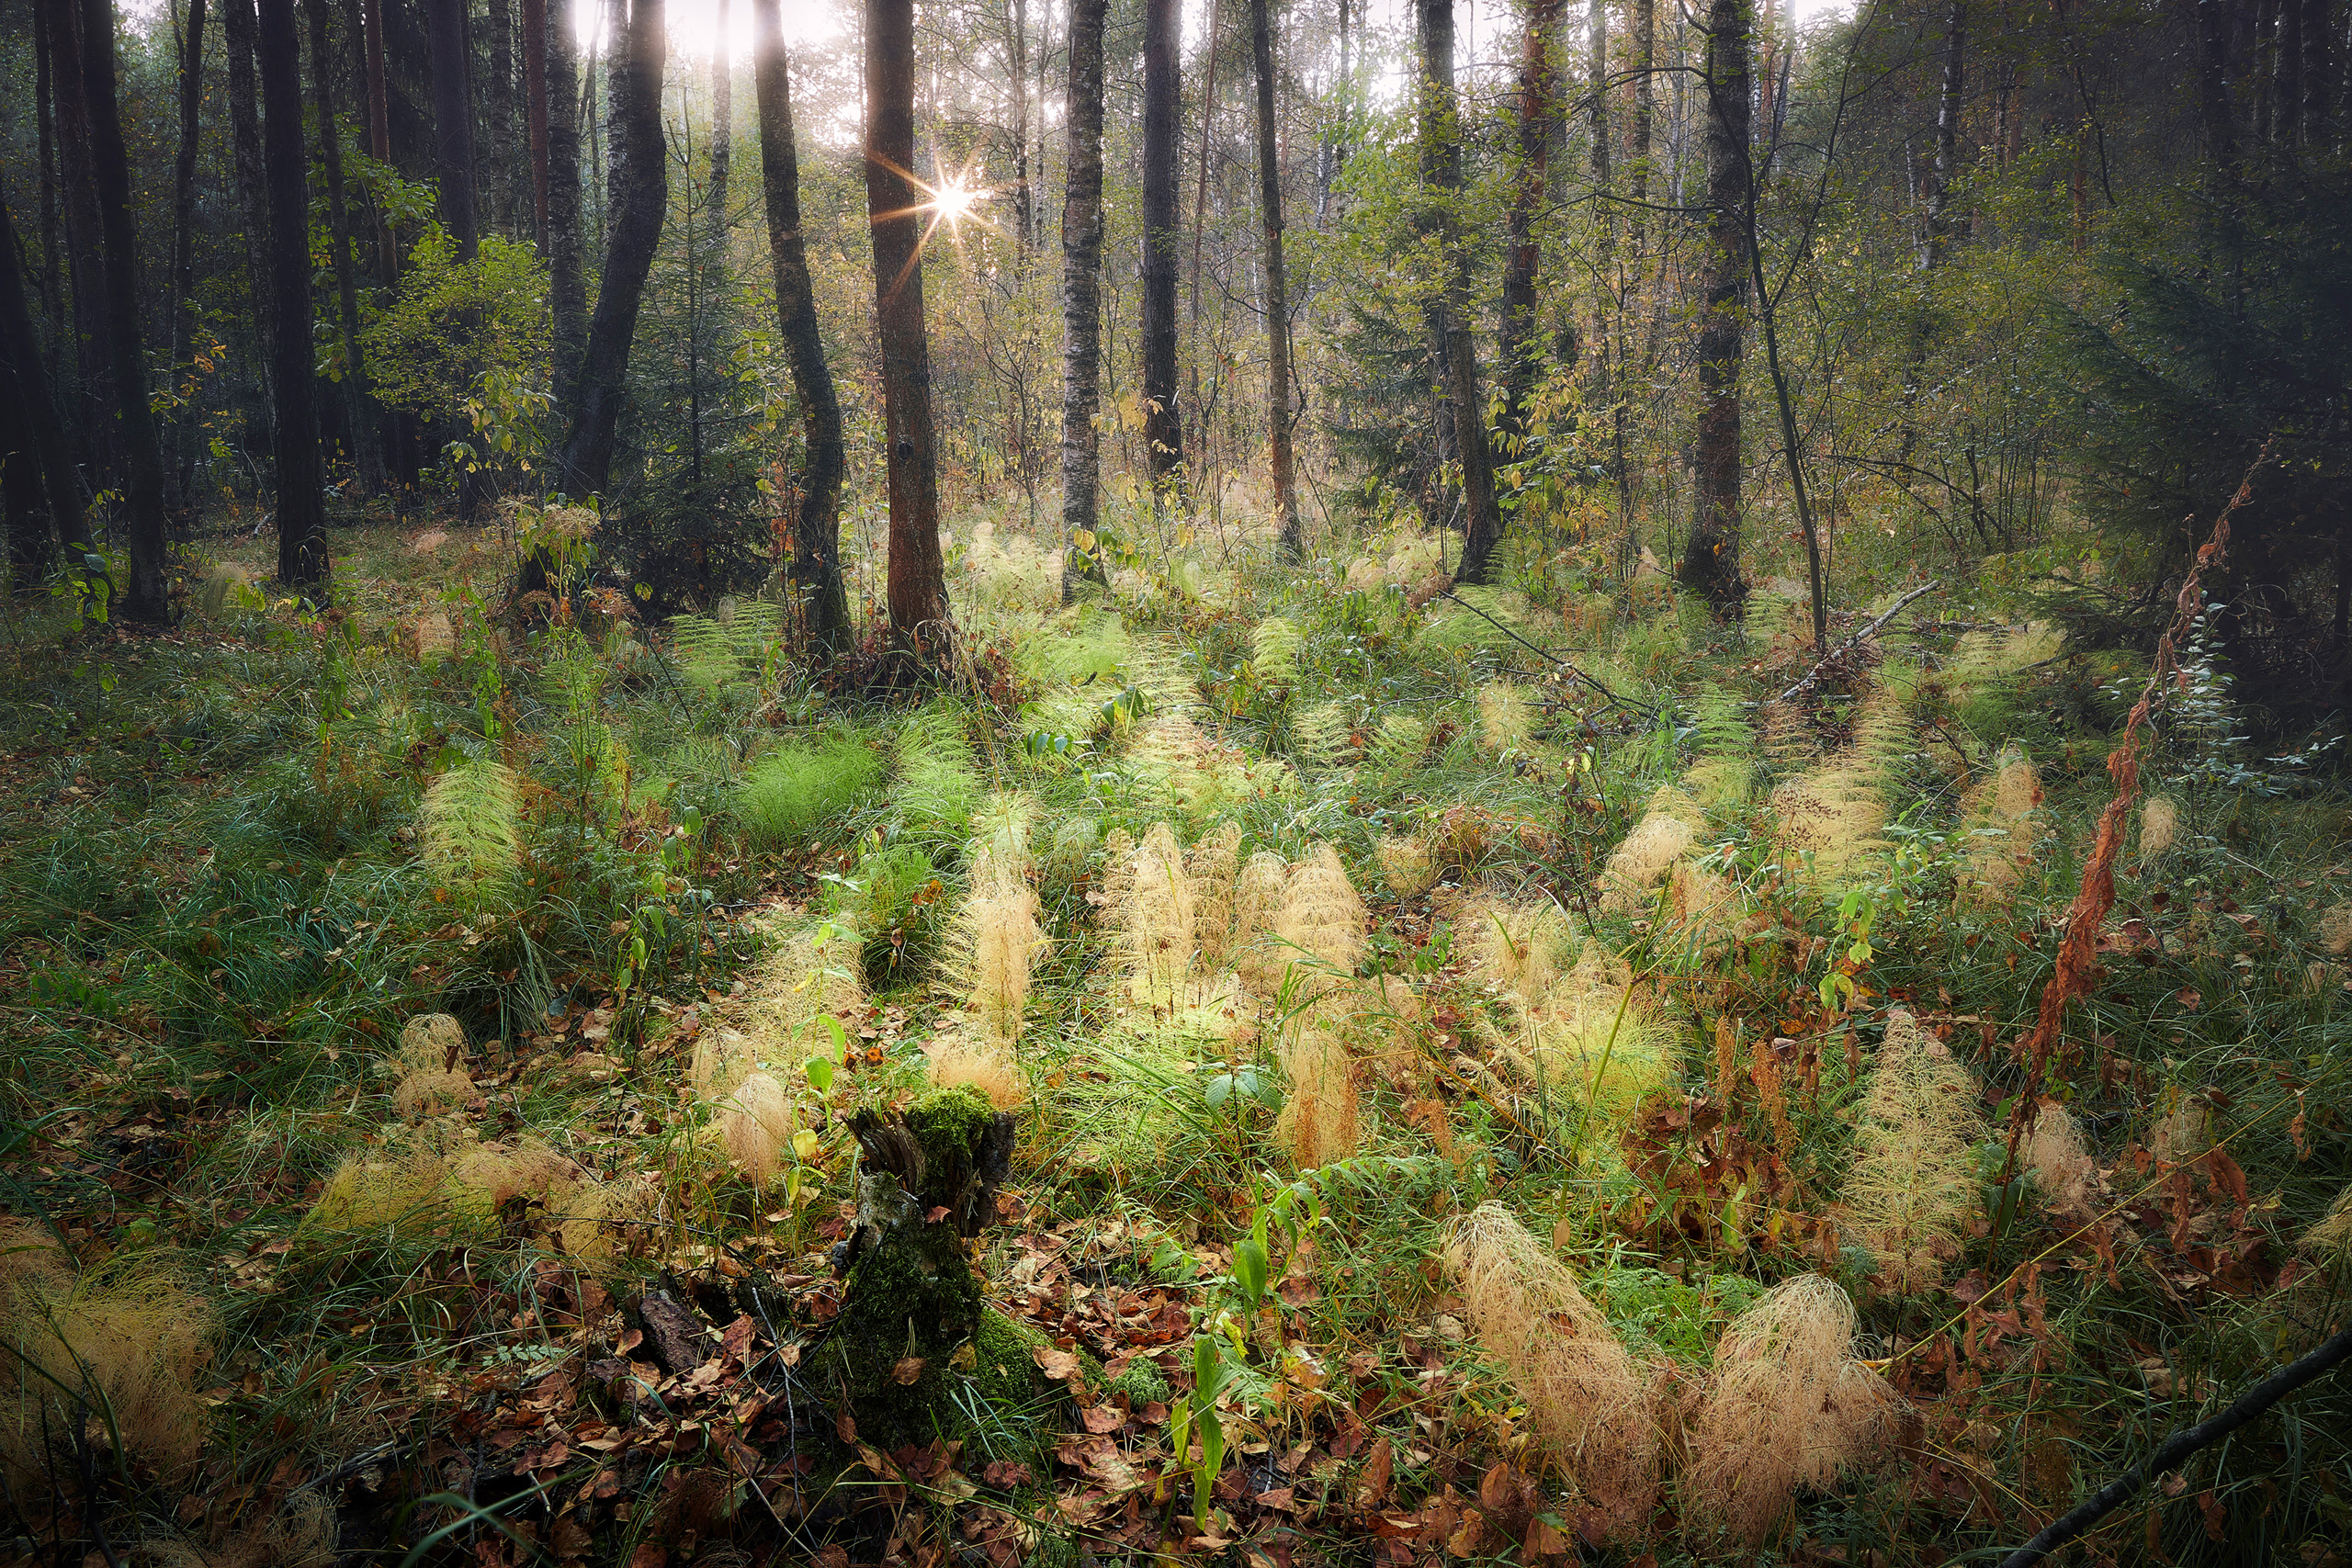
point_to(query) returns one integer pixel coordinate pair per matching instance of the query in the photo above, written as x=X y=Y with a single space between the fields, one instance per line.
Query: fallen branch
x=1548 y=653
x=1856 y=640
x=2255 y=1401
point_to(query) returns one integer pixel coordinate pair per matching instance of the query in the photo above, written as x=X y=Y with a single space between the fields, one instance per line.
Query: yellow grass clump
x=1320 y=925
x=2003 y=827
x=2335 y=930
x=984 y=1064
x=1837 y=814
x=1599 y=1035
x=602 y=1223
x=2159 y=826
x=2061 y=1162
x=116 y=1353
x=722 y=1059
x=432 y=1042
x=1151 y=900
x=2184 y=1134
x=421 y=1095
x=1516 y=946
x=1908 y=1192
x=1407 y=867
x=806 y=974
x=1257 y=904
x=995 y=938
x=1322 y=733
x=1662 y=837
x=1790 y=1408
x=1320 y=1120
x=1703 y=907
x=2329 y=1239
x=302 y=1534
x=1212 y=868
x=496 y=1173
x=1505 y=719
x=373 y=1189
x=756 y=1126
x=1591 y=1406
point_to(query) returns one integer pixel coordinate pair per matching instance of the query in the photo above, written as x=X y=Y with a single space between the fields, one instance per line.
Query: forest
x=1287 y=784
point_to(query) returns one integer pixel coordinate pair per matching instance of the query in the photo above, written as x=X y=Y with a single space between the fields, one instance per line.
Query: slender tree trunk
x=146 y=596
x=1935 y=229
x=302 y=560
x=816 y=571
x=1201 y=185
x=1016 y=30
x=253 y=196
x=918 y=580
x=1270 y=207
x=1711 y=557
x=453 y=122
x=356 y=402
x=44 y=114
x=640 y=196
x=1334 y=131
x=501 y=117
x=1637 y=183
x=2319 y=73
x=183 y=249
x=567 y=290
x=1083 y=296
x=1441 y=154
x=47 y=431
x=1162 y=89
x=93 y=434
x=535 y=112
x=1521 y=345
x=722 y=140
x=2213 y=85
x=2287 y=118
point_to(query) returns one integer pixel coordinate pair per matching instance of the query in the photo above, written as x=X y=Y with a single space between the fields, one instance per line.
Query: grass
x=245 y=853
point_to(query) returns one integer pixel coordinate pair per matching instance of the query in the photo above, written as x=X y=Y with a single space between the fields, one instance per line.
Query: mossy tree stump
x=912 y=1301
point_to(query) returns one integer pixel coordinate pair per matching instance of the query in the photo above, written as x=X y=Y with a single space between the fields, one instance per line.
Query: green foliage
x=468 y=828
x=470 y=337
x=892 y=898
x=938 y=785
x=801 y=791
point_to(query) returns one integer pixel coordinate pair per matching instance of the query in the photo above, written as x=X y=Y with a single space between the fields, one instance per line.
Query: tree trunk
x=1947 y=112
x=1637 y=184
x=1521 y=344
x=1083 y=296
x=1016 y=29
x=1440 y=152
x=2287 y=117
x=453 y=121
x=302 y=560
x=2319 y=74
x=500 y=117
x=356 y=403
x=1270 y=205
x=183 y=249
x=1335 y=133
x=816 y=571
x=95 y=438
x=1711 y=558
x=253 y=196
x=641 y=196
x=722 y=140
x=46 y=430
x=535 y=112
x=567 y=290
x=145 y=596
x=918 y=582
x=44 y=115
x=1163 y=87
x=2213 y=86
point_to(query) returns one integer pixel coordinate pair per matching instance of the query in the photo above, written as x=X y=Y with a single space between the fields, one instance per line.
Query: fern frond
x=468 y=828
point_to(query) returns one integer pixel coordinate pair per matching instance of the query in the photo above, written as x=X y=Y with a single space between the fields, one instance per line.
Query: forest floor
x=1490 y=1086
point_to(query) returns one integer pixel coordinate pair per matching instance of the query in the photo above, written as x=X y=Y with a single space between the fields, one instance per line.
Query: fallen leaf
x=908 y=1371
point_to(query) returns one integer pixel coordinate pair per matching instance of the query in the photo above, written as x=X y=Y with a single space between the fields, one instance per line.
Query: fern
x=939 y=782
x=468 y=827
x=1274 y=645
x=1320 y=734
x=800 y=789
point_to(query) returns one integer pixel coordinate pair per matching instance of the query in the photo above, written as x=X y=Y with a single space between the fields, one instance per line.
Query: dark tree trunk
x=535 y=112
x=44 y=114
x=1163 y=87
x=2319 y=128
x=1948 y=111
x=917 y=582
x=356 y=403
x=641 y=195
x=95 y=439
x=453 y=121
x=1270 y=205
x=302 y=560
x=31 y=540
x=1711 y=558
x=2287 y=117
x=1083 y=296
x=816 y=543
x=41 y=425
x=722 y=148
x=1521 y=343
x=2213 y=85
x=145 y=596
x=500 y=117
x=184 y=248
x=1016 y=27
x=567 y=291
x=1441 y=154
x=252 y=198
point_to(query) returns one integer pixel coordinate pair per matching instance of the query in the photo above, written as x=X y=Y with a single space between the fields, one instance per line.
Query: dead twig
x=1856 y=640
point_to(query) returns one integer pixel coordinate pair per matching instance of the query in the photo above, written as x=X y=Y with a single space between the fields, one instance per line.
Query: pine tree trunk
x=641 y=196
x=1163 y=87
x=816 y=571
x=917 y=584
x=253 y=196
x=453 y=122
x=146 y=596
x=1711 y=558
x=722 y=141
x=501 y=162
x=1521 y=345
x=1270 y=202
x=535 y=112
x=567 y=290
x=184 y=250
x=44 y=115
x=1082 y=298
x=303 y=560
x=1441 y=154
x=358 y=405
x=92 y=431
x=47 y=431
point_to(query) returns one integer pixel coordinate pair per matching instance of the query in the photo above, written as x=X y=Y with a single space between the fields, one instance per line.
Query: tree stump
x=912 y=1302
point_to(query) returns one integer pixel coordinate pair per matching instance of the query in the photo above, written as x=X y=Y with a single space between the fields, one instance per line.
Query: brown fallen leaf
x=1059 y=1365
x=908 y=1371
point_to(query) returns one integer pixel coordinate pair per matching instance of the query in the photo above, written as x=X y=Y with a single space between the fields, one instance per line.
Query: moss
x=1005 y=1373
x=1142 y=1383
x=949 y=1124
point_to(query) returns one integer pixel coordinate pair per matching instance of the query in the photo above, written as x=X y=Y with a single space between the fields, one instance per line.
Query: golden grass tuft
x=2159 y=826
x=1516 y=946
x=1642 y=861
x=1597 y=1033
x=301 y=1534
x=994 y=941
x=722 y=1059
x=984 y=1064
x=1505 y=719
x=1320 y=923
x=497 y=1173
x=1151 y=900
x=604 y=1223
x=804 y=976
x=1257 y=904
x=2184 y=1134
x=1790 y=1408
x=756 y=1126
x=1591 y=1406
x=372 y=1189
x=435 y=1093
x=2061 y=1162
x=2000 y=819
x=2335 y=930
x=1908 y=1192
x=1320 y=1119
x=1407 y=867
x=1703 y=906
x=2329 y=1238
x=432 y=1042
x=1212 y=868
x=119 y=1350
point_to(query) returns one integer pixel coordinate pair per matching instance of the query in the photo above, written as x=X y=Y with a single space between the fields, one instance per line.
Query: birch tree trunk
x=1521 y=344
x=1162 y=88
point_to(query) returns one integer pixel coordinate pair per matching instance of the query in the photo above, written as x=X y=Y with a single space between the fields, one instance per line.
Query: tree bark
x=2319 y=73
x=535 y=112
x=816 y=571
x=1083 y=296
x=917 y=589
x=145 y=596
x=641 y=196
x=1440 y=157
x=184 y=247
x=1163 y=87
x=1521 y=344
x=44 y=115
x=500 y=117
x=722 y=139
x=357 y=420
x=1016 y=31
x=59 y=482
x=302 y=560
x=1270 y=206
x=1711 y=558
x=1948 y=111
x=453 y=121
x=96 y=441
x=252 y=196
x=567 y=290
